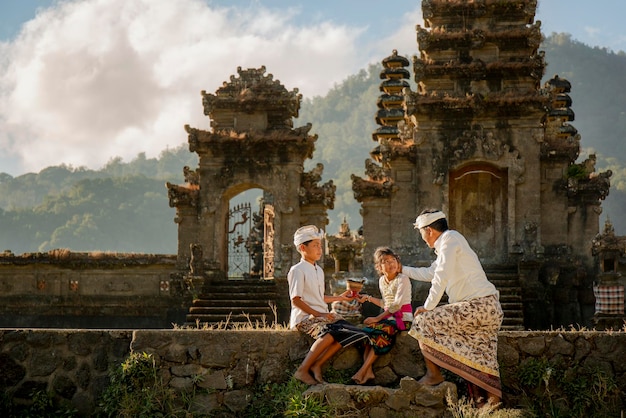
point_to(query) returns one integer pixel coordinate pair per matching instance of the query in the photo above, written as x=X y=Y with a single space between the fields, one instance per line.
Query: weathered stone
x=271 y=370
x=20 y=352
x=204 y=404
x=187 y=370
x=435 y=396
x=597 y=363
x=11 y=373
x=213 y=381
x=69 y=363
x=64 y=386
x=43 y=363
x=398 y=400
x=100 y=359
x=243 y=374
x=300 y=348
x=176 y=353
x=583 y=348
x=237 y=400
x=82 y=343
x=385 y=376
x=507 y=355
x=408 y=359
x=83 y=376
x=338 y=397
x=347 y=359
x=379 y=412
x=216 y=356
x=532 y=345
x=181 y=383
x=558 y=345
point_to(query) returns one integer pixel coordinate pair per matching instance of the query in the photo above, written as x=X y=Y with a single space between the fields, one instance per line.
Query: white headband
x=427 y=219
x=307 y=233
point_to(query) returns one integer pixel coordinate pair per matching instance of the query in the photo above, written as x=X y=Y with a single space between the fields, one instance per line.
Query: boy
x=309 y=307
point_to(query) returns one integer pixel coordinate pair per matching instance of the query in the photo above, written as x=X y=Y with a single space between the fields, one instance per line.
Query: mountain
x=124 y=206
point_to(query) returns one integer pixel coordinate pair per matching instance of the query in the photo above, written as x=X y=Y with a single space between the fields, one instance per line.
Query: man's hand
x=420 y=309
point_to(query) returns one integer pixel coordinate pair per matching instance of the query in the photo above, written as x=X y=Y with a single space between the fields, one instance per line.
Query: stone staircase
x=234 y=302
x=506 y=280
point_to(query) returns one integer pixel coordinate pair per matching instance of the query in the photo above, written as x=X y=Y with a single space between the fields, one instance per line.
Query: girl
x=397 y=314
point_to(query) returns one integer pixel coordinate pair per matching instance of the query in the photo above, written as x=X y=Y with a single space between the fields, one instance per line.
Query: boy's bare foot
x=305 y=378
x=317 y=373
x=431 y=380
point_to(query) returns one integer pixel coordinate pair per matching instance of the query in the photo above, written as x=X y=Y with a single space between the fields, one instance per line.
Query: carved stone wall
x=61 y=289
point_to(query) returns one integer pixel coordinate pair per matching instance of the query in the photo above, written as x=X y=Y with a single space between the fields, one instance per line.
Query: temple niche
x=252 y=145
x=483 y=139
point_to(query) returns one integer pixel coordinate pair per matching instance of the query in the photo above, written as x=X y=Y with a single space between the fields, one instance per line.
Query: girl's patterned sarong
x=382 y=335
x=342 y=331
x=463 y=338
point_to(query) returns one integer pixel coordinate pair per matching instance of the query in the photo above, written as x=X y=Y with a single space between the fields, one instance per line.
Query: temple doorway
x=478 y=208
x=250 y=236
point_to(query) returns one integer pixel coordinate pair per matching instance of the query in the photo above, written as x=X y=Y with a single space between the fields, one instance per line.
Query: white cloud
x=89 y=80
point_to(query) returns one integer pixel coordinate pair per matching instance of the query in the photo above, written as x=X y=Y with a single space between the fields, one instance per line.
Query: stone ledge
x=377 y=401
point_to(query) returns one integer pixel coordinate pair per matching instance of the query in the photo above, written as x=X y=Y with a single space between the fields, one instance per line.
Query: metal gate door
x=250 y=242
x=239 y=225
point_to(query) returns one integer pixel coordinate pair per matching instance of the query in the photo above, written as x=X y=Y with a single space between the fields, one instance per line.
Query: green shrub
x=136 y=390
x=554 y=390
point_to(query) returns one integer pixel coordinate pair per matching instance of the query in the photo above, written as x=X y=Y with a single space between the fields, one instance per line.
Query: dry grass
x=250 y=325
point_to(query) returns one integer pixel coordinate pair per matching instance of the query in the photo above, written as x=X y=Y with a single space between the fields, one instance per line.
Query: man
x=461 y=336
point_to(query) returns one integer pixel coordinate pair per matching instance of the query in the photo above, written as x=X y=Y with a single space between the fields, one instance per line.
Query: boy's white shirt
x=306 y=280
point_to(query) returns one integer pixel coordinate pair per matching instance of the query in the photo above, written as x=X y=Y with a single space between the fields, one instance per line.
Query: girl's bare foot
x=363 y=379
x=305 y=378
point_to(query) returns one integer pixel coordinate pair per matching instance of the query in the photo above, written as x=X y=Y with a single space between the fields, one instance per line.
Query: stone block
x=398 y=400
x=187 y=370
x=508 y=356
x=237 y=400
x=534 y=346
x=213 y=381
x=346 y=359
x=204 y=404
x=385 y=376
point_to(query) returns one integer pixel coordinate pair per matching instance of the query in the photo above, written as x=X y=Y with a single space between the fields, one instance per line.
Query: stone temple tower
x=483 y=140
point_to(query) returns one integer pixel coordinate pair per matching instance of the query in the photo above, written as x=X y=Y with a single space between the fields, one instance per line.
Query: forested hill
x=124 y=206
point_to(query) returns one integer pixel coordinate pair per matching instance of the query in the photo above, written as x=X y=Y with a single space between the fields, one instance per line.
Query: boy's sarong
x=463 y=337
x=341 y=330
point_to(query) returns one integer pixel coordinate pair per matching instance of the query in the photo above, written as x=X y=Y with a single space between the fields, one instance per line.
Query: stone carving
x=182 y=195
x=374 y=171
x=196 y=262
x=311 y=192
x=191 y=176
x=367 y=188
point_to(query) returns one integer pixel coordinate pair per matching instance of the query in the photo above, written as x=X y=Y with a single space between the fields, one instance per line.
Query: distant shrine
x=483 y=140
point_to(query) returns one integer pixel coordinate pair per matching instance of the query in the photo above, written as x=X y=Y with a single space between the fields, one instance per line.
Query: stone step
x=225 y=303
x=265 y=296
x=234 y=318
x=212 y=310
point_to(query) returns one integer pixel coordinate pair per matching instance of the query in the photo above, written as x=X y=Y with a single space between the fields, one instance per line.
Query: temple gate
x=481 y=139
x=252 y=145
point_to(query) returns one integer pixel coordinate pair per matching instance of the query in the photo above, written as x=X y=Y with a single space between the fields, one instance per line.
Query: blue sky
x=84 y=81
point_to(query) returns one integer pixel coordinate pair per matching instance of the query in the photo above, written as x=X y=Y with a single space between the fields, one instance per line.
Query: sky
x=85 y=81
